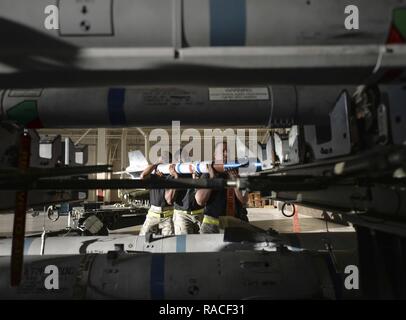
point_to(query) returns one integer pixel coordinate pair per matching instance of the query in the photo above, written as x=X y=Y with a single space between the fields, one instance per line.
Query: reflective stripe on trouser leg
x=210 y=225
x=162 y=214
x=211 y=220
x=198 y=212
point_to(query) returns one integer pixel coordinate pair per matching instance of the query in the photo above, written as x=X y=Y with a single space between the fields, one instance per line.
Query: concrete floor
x=264 y=218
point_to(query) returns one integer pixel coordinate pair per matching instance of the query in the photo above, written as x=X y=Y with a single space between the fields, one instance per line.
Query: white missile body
x=141 y=106
x=204 y=275
x=138 y=163
x=131 y=243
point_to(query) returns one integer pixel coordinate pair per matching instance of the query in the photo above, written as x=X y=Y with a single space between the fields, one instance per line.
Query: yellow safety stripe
x=164 y=214
x=199 y=211
x=180 y=211
x=211 y=220
x=194 y=212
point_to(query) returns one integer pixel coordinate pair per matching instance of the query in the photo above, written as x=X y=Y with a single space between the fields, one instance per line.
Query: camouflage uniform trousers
x=158 y=221
x=187 y=222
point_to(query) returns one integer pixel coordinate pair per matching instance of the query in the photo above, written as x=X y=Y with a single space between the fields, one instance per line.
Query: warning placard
x=227 y=94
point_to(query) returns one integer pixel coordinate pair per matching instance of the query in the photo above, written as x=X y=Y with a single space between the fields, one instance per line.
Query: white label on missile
x=229 y=94
x=22 y=93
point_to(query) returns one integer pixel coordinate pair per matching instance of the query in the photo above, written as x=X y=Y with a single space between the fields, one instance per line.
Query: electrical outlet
x=85 y=17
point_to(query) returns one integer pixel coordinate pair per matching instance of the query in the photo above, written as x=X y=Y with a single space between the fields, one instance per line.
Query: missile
x=202 y=167
x=126 y=43
x=249 y=23
x=235 y=275
x=138 y=163
x=187 y=168
x=66 y=245
x=199 y=167
x=103 y=107
x=233 y=239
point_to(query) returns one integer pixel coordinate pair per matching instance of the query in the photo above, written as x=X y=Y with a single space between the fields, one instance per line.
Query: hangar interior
x=308 y=200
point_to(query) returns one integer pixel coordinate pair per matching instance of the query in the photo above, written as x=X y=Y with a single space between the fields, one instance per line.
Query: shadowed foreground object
x=234 y=275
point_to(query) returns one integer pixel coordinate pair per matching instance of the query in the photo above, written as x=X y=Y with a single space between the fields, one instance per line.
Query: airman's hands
x=172 y=171
x=233 y=174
